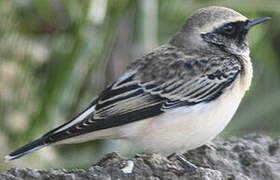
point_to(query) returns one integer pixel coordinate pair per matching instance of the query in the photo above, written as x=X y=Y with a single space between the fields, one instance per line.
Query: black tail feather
x=26 y=149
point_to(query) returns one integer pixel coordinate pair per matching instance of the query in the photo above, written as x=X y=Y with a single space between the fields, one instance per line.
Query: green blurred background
x=56 y=55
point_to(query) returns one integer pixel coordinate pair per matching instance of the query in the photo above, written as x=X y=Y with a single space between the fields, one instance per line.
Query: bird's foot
x=188 y=166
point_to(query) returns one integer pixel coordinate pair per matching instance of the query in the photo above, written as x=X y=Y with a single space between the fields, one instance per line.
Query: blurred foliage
x=56 y=55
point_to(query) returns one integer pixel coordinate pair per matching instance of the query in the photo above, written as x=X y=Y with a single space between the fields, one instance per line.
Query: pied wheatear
x=175 y=98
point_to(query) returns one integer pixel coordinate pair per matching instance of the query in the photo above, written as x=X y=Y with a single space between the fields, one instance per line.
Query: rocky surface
x=252 y=157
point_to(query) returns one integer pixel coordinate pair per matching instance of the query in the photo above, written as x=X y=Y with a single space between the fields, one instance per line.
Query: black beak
x=253 y=22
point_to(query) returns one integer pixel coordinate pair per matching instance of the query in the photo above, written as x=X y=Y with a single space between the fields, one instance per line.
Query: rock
x=252 y=157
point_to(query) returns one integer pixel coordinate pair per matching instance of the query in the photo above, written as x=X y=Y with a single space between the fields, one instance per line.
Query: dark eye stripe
x=229 y=29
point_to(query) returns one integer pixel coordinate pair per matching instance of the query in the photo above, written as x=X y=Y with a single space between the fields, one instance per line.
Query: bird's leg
x=188 y=166
x=210 y=145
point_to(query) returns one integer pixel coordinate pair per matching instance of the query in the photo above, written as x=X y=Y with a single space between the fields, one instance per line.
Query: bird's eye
x=229 y=29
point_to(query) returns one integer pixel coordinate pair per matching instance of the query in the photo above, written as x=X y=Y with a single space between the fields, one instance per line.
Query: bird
x=175 y=98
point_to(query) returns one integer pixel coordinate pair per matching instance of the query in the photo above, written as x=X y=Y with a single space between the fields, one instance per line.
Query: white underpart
x=177 y=130
x=182 y=128
x=185 y=128
x=77 y=120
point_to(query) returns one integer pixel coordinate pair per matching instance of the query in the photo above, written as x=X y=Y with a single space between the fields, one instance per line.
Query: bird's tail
x=26 y=149
x=58 y=134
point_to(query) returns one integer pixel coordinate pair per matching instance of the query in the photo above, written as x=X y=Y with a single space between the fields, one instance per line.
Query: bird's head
x=213 y=28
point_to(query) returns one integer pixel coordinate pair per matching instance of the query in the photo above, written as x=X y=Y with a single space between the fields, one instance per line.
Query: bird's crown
x=216 y=29
x=206 y=19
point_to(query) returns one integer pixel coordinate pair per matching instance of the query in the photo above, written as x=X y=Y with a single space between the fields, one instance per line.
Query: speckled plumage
x=183 y=93
x=169 y=69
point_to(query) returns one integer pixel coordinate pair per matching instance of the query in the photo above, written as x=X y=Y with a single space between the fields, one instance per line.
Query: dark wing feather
x=114 y=109
x=155 y=86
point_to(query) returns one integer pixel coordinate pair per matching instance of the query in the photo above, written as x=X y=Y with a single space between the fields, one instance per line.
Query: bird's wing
x=155 y=84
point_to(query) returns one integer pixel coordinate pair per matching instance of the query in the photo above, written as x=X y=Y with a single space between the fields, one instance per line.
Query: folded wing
x=143 y=92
